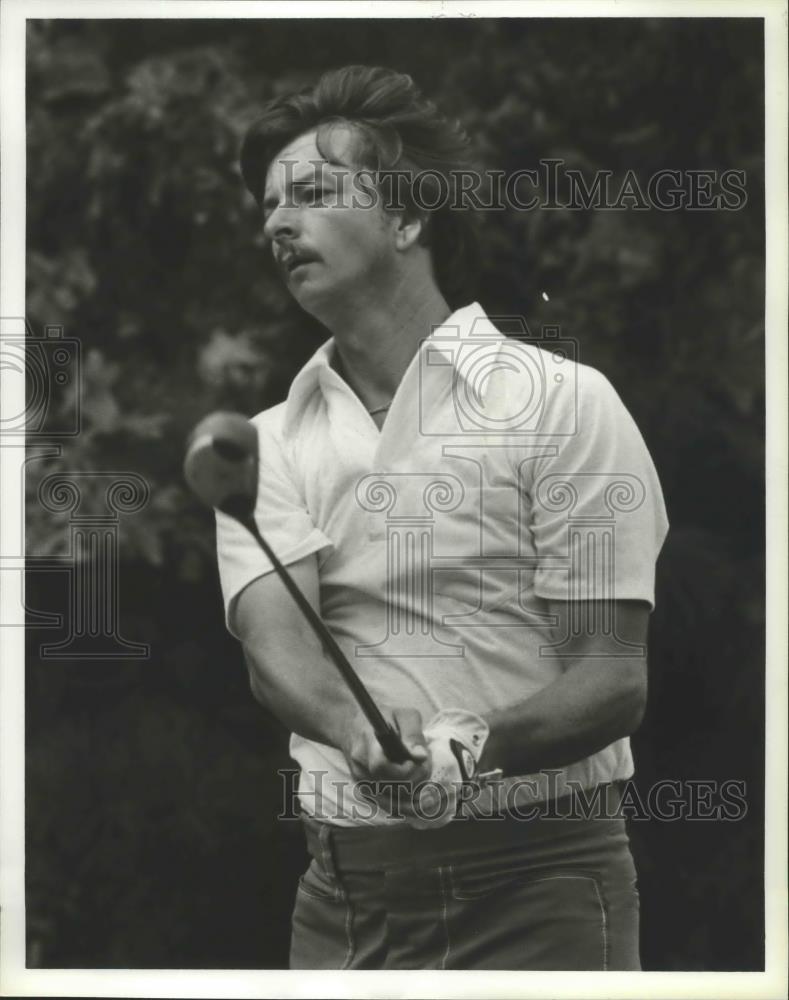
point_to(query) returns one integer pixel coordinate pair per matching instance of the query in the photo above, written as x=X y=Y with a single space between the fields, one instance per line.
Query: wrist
x=488 y=759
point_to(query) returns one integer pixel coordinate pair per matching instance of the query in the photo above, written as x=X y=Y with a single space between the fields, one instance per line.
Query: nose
x=281 y=223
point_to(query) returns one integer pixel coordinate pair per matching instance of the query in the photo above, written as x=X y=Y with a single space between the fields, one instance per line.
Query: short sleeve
x=281 y=516
x=598 y=519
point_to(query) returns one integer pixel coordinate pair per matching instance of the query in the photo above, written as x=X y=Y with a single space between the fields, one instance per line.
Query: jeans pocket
x=322 y=923
x=529 y=918
x=317 y=883
x=480 y=881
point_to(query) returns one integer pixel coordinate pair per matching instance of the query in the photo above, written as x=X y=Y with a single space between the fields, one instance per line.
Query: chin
x=315 y=301
x=316 y=296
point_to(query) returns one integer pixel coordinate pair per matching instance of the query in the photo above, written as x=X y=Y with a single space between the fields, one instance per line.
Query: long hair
x=395 y=130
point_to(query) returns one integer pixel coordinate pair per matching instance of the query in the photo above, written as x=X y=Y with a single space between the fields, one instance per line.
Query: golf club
x=221 y=467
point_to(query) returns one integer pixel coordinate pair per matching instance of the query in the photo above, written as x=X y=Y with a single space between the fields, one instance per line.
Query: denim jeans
x=547 y=894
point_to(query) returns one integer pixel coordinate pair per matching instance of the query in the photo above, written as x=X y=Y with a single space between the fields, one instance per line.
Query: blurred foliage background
x=151 y=784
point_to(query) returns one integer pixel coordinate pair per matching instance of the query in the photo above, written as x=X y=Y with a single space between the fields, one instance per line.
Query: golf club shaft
x=388 y=738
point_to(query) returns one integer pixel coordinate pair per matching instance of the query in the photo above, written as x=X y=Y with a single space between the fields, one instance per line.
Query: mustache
x=289 y=252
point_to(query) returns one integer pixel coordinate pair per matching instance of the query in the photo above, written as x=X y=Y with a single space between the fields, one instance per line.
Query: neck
x=378 y=333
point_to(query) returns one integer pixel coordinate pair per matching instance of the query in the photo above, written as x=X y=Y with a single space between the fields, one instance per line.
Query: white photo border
x=15 y=979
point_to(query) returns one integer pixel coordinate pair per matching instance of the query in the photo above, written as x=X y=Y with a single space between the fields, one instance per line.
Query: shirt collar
x=457 y=336
x=305 y=383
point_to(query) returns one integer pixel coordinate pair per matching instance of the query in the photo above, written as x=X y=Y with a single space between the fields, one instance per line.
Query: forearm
x=591 y=705
x=300 y=685
x=289 y=673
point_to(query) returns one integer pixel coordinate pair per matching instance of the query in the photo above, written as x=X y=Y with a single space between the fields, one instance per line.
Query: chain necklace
x=379 y=409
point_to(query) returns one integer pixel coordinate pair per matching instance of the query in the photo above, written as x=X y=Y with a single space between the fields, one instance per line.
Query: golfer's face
x=326 y=236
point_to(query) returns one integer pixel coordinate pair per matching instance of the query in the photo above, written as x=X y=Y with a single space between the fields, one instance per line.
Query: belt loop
x=325 y=845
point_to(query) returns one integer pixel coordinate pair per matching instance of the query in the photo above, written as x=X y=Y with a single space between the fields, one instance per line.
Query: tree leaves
x=144 y=245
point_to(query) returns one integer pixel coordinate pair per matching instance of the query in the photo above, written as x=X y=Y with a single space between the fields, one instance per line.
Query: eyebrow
x=270 y=202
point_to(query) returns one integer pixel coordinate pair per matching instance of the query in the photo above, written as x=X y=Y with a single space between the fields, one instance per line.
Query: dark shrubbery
x=151 y=785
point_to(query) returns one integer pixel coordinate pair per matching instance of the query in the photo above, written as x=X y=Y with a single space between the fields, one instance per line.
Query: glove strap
x=468 y=765
x=465 y=759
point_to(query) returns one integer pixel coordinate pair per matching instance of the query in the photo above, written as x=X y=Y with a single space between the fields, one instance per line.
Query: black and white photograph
x=393 y=529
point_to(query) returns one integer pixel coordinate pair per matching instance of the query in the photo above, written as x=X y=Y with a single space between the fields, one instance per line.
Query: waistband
x=377 y=848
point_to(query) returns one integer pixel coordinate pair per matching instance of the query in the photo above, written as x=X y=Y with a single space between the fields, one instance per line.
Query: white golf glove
x=455 y=740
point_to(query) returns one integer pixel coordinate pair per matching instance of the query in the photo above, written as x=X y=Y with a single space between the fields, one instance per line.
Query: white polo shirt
x=506 y=473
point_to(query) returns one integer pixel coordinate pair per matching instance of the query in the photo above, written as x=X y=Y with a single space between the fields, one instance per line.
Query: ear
x=409 y=230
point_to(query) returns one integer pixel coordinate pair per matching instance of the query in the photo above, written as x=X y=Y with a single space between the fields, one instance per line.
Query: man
x=477 y=520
